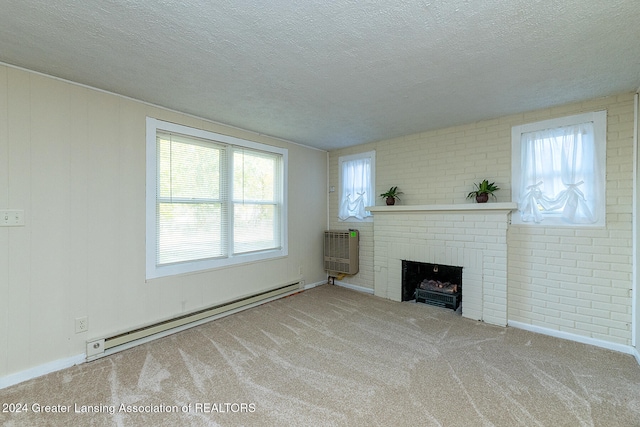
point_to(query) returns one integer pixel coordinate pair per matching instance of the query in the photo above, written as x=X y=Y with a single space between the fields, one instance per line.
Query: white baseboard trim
x=574 y=337
x=313 y=285
x=354 y=287
x=40 y=370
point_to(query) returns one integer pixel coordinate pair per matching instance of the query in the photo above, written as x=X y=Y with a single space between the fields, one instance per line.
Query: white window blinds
x=257 y=198
x=191 y=199
x=212 y=200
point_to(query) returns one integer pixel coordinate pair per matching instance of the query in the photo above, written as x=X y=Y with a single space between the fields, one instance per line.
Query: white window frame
x=156 y=271
x=599 y=120
x=369 y=154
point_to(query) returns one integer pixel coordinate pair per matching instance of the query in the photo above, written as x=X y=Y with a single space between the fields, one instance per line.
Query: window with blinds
x=256 y=196
x=212 y=200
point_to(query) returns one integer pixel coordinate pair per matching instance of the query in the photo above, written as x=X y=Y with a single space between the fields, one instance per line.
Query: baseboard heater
x=97 y=348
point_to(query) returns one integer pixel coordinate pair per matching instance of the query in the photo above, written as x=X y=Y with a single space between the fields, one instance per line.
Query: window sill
x=352 y=219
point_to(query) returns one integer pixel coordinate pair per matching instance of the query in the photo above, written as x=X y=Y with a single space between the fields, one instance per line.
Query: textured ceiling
x=331 y=74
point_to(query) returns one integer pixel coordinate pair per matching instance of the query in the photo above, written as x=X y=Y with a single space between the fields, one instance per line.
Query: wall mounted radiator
x=97 y=348
x=341 y=249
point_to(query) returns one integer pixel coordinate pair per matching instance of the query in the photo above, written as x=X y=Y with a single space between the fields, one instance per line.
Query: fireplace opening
x=433 y=284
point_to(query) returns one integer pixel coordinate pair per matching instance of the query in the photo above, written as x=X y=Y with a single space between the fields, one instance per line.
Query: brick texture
x=575 y=280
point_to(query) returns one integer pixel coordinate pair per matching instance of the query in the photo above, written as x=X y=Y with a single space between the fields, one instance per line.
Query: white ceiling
x=331 y=74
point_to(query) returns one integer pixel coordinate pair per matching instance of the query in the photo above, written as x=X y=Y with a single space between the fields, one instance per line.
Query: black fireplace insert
x=433 y=284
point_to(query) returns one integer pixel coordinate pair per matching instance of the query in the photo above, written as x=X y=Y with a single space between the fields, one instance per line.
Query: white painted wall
x=636 y=287
x=74 y=159
x=576 y=281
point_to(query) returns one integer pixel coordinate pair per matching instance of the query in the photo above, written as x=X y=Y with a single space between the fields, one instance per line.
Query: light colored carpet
x=332 y=356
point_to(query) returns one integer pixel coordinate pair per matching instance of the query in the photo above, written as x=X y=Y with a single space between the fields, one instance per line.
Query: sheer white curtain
x=559 y=174
x=356 y=190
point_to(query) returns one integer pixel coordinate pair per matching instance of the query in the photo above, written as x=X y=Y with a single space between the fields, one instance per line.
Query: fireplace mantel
x=473 y=207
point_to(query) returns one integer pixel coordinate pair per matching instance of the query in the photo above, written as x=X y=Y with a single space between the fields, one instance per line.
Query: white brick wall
x=572 y=280
x=474 y=240
x=578 y=280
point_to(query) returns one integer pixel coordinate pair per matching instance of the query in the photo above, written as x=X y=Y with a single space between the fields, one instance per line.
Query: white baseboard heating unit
x=97 y=348
x=341 y=251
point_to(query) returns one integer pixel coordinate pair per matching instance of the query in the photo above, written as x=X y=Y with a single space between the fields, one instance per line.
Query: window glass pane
x=188 y=169
x=189 y=232
x=254 y=176
x=255 y=227
x=256 y=213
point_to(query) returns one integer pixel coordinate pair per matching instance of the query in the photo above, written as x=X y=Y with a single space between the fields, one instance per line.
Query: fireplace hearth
x=432 y=284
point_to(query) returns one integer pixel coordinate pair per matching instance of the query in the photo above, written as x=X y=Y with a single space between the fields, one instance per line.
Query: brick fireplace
x=473 y=236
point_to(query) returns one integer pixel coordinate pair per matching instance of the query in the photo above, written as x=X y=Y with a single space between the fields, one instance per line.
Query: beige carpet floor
x=335 y=357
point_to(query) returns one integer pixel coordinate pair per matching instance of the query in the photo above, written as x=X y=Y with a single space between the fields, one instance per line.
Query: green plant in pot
x=391 y=195
x=483 y=191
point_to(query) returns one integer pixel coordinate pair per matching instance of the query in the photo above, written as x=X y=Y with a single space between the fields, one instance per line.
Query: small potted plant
x=483 y=190
x=391 y=195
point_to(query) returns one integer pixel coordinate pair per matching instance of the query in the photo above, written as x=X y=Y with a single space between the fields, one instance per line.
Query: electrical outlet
x=300 y=270
x=82 y=324
x=11 y=218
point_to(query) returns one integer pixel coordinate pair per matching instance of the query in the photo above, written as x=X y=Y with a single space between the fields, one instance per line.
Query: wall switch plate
x=11 y=218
